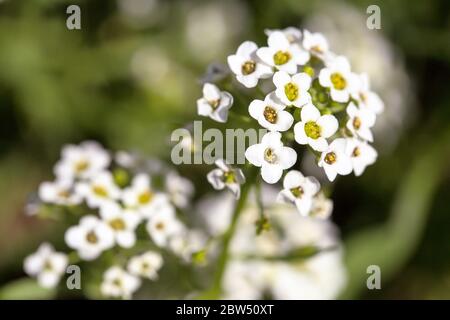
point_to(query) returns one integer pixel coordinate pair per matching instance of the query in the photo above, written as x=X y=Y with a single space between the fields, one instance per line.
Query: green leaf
x=25 y=289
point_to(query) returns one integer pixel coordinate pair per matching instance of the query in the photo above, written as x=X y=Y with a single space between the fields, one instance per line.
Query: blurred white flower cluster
x=298 y=258
x=111 y=198
x=308 y=96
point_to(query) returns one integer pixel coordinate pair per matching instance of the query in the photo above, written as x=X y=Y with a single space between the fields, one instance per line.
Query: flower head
x=146 y=265
x=247 y=66
x=299 y=190
x=226 y=176
x=335 y=159
x=90 y=237
x=338 y=77
x=46 y=265
x=272 y=156
x=118 y=283
x=270 y=113
x=292 y=90
x=214 y=103
x=314 y=128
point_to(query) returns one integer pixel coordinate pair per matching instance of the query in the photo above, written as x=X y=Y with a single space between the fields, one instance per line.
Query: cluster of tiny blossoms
x=110 y=202
x=314 y=100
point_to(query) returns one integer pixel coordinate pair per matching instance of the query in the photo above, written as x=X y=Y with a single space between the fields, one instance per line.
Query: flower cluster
x=111 y=198
x=307 y=96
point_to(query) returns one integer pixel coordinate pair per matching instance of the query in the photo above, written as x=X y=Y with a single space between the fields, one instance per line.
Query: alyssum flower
x=118 y=283
x=122 y=222
x=215 y=103
x=226 y=176
x=360 y=122
x=146 y=265
x=316 y=44
x=338 y=77
x=335 y=159
x=299 y=190
x=270 y=113
x=272 y=156
x=46 y=265
x=361 y=155
x=292 y=90
x=247 y=66
x=59 y=192
x=99 y=189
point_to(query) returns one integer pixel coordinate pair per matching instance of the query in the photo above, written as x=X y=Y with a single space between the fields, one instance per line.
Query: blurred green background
x=132 y=75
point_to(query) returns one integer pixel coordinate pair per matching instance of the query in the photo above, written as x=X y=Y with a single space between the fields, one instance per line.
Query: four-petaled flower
x=146 y=265
x=163 y=225
x=270 y=113
x=366 y=98
x=99 y=190
x=59 y=192
x=316 y=44
x=338 y=77
x=360 y=121
x=226 y=176
x=314 y=128
x=335 y=160
x=118 y=283
x=361 y=154
x=299 y=190
x=247 y=66
x=214 y=103
x=272 y=156
x=292 y=90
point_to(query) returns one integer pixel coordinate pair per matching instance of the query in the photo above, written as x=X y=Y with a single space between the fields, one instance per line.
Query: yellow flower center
x=48 y=265
x=248 y=67
x=270 y=156
x=91 y=237
x=338 y=81
x=64 y=194
x=145 y=197
x=317 y=49
x=356 y=152
x=100 y=191
x=291 y=91
x=160 y=226
x=356 y=123
x=297 y=192
x=81 y=166
x=281 y=57
x=330 y=158
x=312 y=130
x=270 y=114
x=117 y=224
x=214 y=103
x=117 y=282
x=228 y=177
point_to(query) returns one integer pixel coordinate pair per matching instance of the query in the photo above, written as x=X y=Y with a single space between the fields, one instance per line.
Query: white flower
x=247 y=66
x=146 y=265
x=272 y=156
x=322 y=207
x=361 y=154
x=294 y=35
x=187 y=243
x=59 y=192
x=299 y=190
x=226 y=176
x=360 y=121
x=366 y=98
x=338 y=77
x=122 y=223
x=292 y=90
x=214 y=103
x=316 y=44
x=99 y=190
x=270 y=113
x=81 y=162
x=90 y=237
x=281 y=54
x=118 y=283
x=180 y=189
x=313 y=129
x=163 y=225
x=46 y=265
x=335 y=159
x=141 y=197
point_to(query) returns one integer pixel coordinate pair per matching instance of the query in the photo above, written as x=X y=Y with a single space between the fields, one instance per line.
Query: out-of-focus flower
x=361 y=154
x=214 y=103
x=335 y=159
x=59 y=192
x=122 y=223
x=338 y=77
x=367 y=99
x=81 y=161
x=118 y=283
x=187 y=243
x=272 y=156
x=360 y=122
x=292 y=90
x=299 y=190
x=226 y=176
x=247 y=67
x=294 y=35
x=316 y=44
x=140 y=196
x=180 y=189
x=90 y=237
x=46 y=265
x=281 y=54
x=163 y=225
x=314 y=128
x=322 y=207
x=270 y=113
x=99 y=190
x=146 y=265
